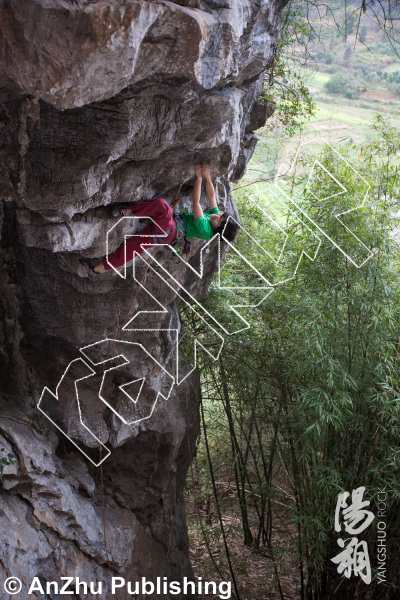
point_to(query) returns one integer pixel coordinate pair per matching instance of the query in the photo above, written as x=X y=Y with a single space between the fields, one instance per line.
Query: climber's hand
x=199 y=171
x=206 y=171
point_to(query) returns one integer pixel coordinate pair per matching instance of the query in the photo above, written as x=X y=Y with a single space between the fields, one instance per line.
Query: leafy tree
x=338 y=84
x=311 y=391
x=285 y=88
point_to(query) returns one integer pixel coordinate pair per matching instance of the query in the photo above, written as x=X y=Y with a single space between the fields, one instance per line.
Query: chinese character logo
x=354 y=518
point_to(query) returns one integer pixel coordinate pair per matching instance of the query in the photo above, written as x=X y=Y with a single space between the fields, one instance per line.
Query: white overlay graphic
x=134 y=406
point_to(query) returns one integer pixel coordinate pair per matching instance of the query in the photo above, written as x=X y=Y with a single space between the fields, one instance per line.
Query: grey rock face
x=102 y=103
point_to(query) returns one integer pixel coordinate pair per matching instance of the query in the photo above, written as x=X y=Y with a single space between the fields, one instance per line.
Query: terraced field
x=337 y=120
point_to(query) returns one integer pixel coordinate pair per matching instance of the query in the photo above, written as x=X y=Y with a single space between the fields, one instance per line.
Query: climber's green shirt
x=202 y=227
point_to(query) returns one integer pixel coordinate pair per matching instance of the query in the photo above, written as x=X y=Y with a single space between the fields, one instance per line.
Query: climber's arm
x=209 y=186
x=197 y=210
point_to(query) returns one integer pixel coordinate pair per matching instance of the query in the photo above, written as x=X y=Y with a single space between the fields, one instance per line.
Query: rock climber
x=167 y=227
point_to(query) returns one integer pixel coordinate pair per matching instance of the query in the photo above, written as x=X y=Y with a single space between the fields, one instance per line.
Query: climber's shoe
x=89 y=268
x=119 y=211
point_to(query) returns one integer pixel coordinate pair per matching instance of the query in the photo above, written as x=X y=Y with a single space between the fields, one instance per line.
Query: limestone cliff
x=105 y=102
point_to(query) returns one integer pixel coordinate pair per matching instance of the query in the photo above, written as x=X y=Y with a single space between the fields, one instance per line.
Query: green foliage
x=289 y=92
x=311 y=391
x=338 y=84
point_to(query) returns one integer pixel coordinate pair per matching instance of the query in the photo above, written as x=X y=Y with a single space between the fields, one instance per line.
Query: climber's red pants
x=162 y=214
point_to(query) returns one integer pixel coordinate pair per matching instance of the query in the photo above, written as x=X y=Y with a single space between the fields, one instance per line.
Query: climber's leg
x=133 y=247
x=159 y=210
x=162 y=215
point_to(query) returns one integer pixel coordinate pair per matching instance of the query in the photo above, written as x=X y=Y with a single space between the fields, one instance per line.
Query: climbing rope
x=174 y=202
x=101 y=403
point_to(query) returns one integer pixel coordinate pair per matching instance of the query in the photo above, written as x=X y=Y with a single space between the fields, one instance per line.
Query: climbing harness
x=181 y=244
x=155 y=234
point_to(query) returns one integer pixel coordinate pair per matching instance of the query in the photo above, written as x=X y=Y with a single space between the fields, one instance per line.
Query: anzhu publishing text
x=144 y=586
